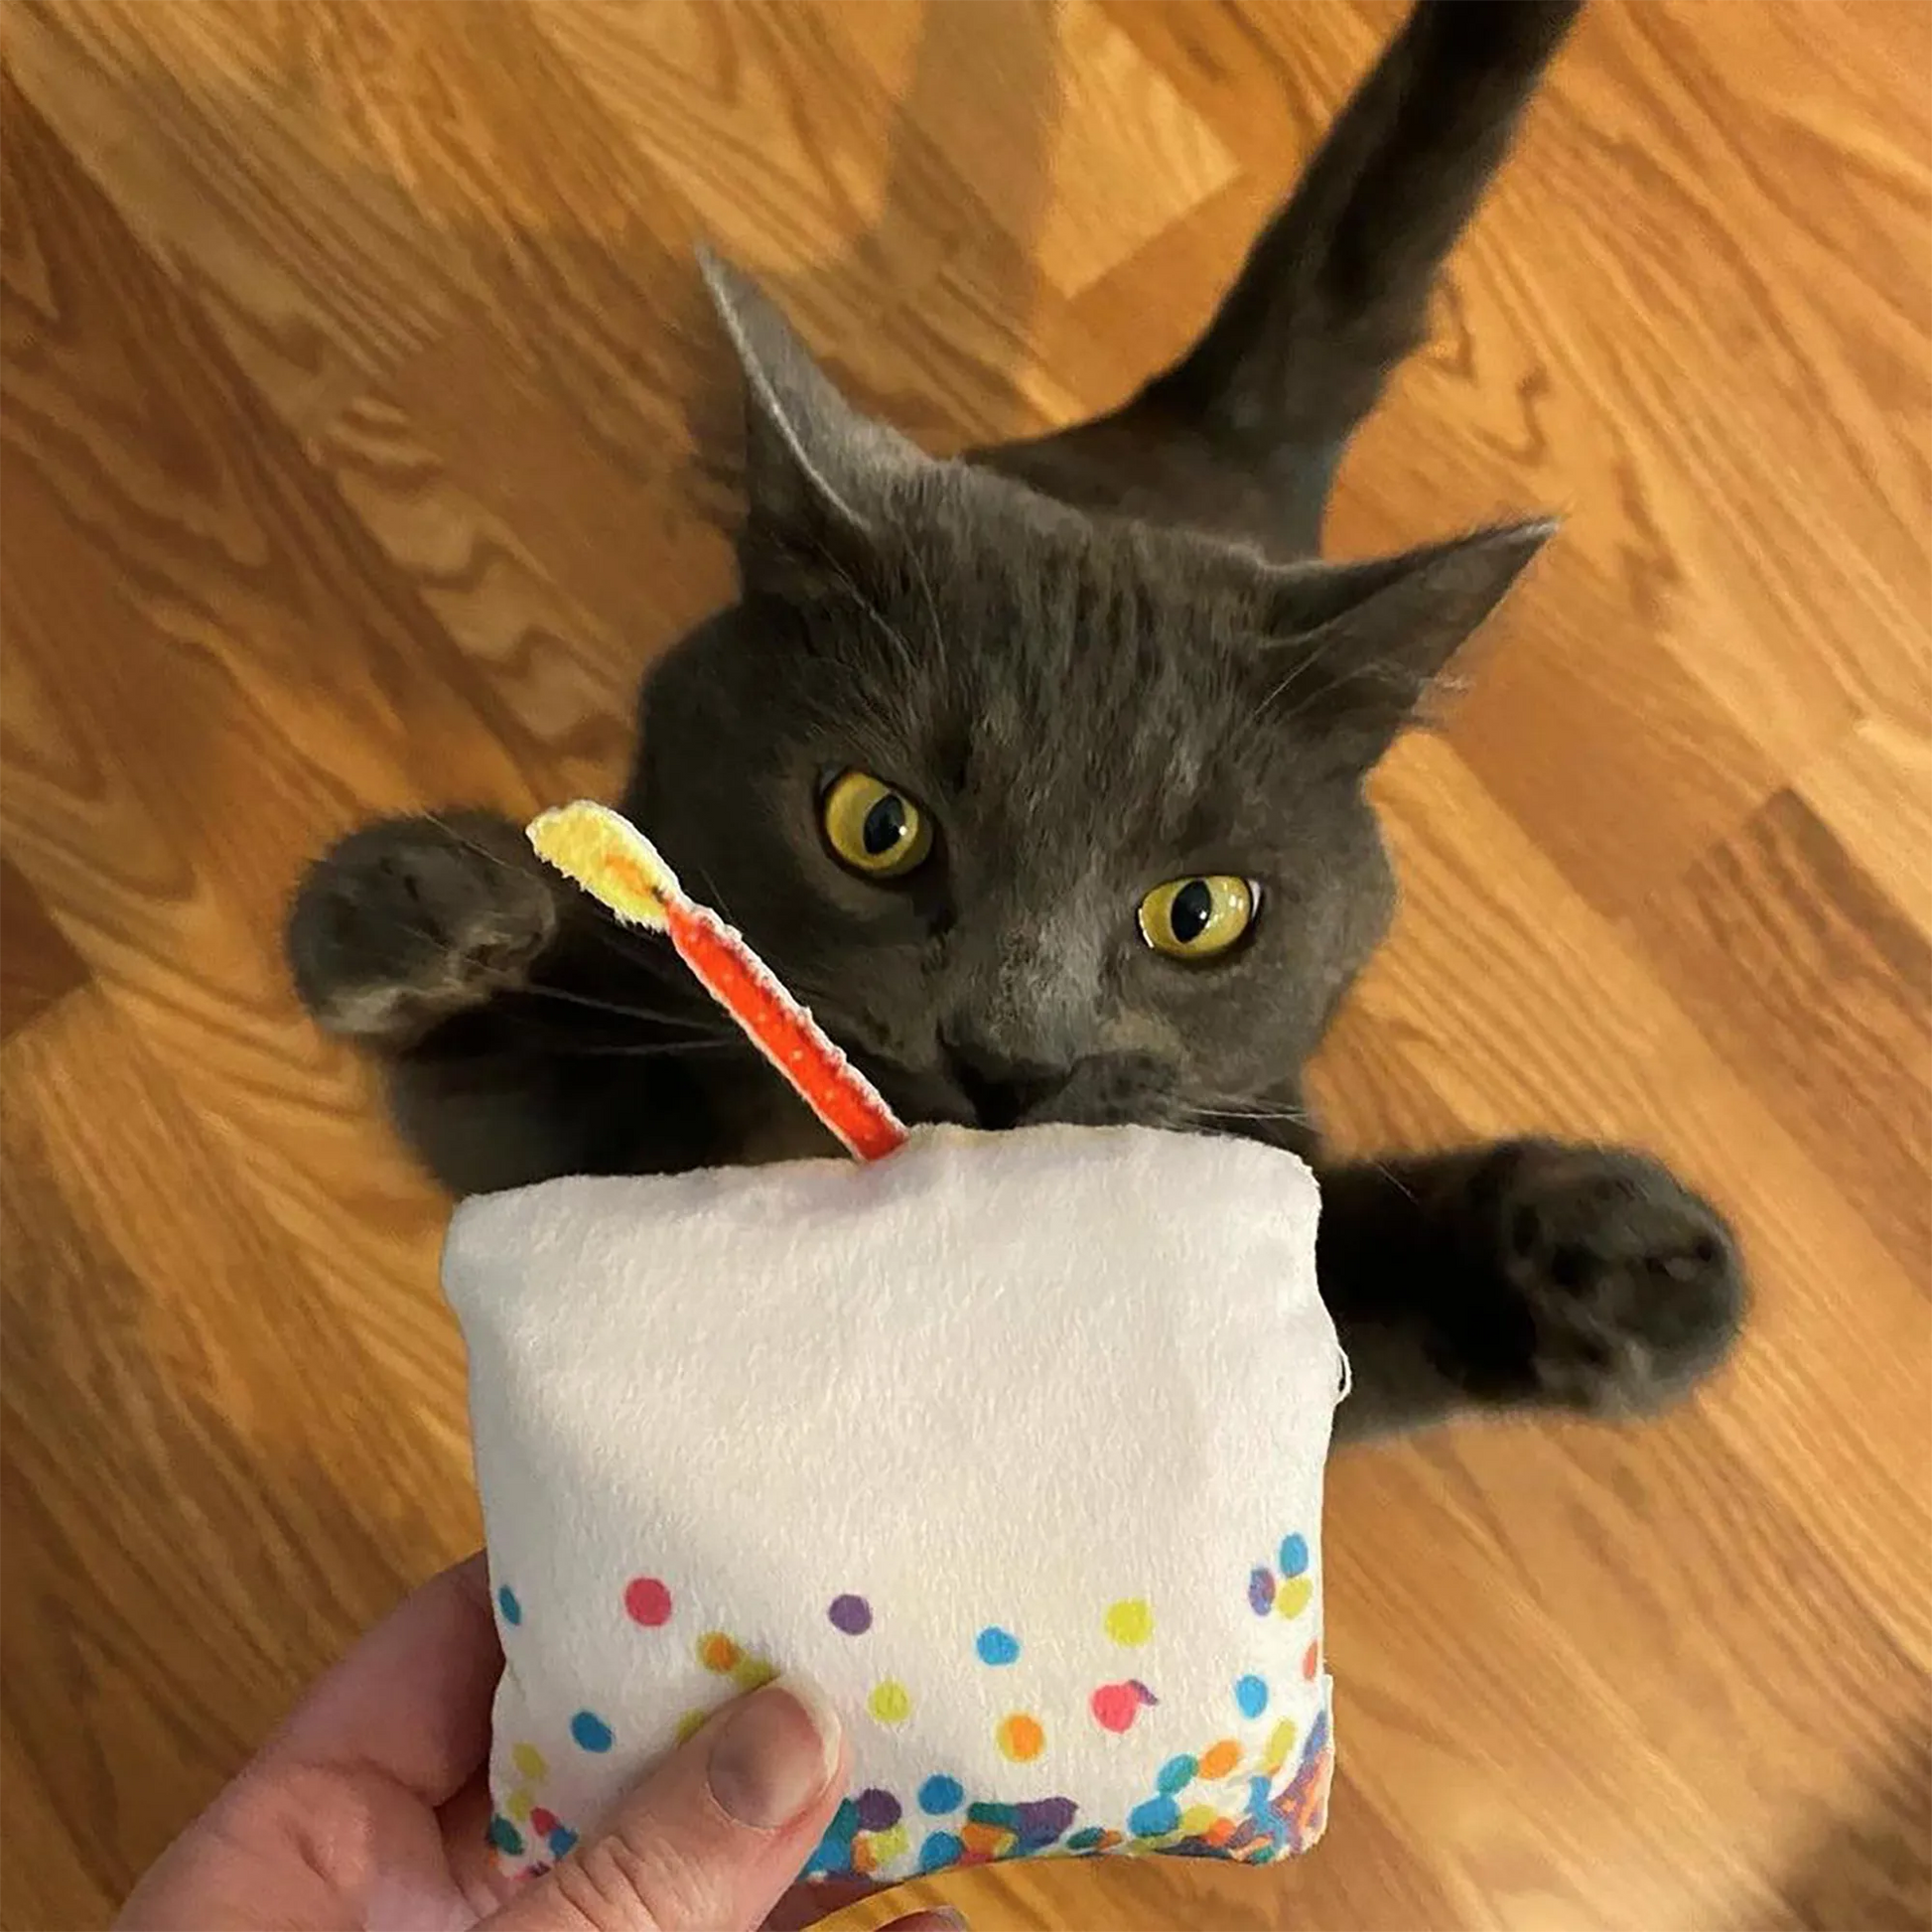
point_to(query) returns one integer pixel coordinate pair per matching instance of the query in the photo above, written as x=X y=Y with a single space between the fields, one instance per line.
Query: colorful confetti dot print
x=543 y=1822
x=690 y=1724
x=751 y=1673
x=647 y=1601
x=1129 y=1621
x=941 y=1795
x=1293 y=1555
x=529 y=1762
x=850 y=1614
x=1281 y=1740
x=1218 y=1759
x=1176 y=1774
x=1294 y=1596
x=590 y=1732
x=878 y=1810
x=890 y=1702
x=1020 y=1736
x=1154 y=1818
x=519 y=1806
x=718 y=1653
x=1261 y=1592
x=1250 y=1696
x=561 y=1841
x=997 y=1646
x=1311 y=1661
x=504 y=1836
x=938 y=1850
x=507 y=1603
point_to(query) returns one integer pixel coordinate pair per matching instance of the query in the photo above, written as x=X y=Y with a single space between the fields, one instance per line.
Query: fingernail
x=936 y=1918
x=775 y=1754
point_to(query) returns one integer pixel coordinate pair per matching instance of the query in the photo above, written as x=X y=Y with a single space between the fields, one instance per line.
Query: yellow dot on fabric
x=529 y=1763
x=691 y=1724
x=751 y=1672
x=1195 y=1820
x=1293 y=1597
x=1219 y=1759
x=893 y=1843
x=517 y=1805
x=1129 y=1621
x=890 y=1702
x=716 y=1652
x=1281 y=1740
x=1021 y=1737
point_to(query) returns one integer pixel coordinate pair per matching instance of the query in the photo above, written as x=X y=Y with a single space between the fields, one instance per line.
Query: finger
x=936 y=1918
x=709 y=1840
x=411 y=1701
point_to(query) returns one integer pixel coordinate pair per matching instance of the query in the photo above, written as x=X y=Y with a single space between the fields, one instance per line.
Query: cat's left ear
x=819 y=474
x=1354 y=647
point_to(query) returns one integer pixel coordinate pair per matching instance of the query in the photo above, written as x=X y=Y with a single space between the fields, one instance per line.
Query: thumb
x=711 y=1838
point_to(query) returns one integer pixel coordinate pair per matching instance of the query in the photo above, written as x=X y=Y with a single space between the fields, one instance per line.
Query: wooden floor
x=365 y=431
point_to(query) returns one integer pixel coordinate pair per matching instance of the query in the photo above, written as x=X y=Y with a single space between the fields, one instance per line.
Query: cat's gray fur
x=1100 y=659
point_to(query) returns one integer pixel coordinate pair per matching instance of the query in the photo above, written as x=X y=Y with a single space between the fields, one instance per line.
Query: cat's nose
x=1001 y=1092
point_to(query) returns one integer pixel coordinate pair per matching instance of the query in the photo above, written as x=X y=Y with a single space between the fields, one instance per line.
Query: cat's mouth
x=1100 y=1091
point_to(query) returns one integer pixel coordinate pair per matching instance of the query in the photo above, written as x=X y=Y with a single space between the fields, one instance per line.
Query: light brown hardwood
x=365 y=431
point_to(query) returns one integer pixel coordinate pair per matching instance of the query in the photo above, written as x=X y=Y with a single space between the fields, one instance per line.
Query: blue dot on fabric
x=1176 y=1774
x=562 y=1839
x=507 y=1603
x=939 y=1795
x=1154 y=1819
x=1251 y=1695
x=997 y=1646
x=1295 y=1555
x=591 y=1731
x=941 y=1849
x=503 y=1834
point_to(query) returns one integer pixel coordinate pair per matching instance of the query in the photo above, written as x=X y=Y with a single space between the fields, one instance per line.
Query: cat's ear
x=1354 y=647
x=819 y=474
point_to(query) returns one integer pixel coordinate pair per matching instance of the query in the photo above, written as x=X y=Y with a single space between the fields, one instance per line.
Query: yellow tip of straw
x=603 y=852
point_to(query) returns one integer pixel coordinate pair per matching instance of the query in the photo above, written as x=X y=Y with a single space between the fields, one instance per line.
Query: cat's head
x=1048 y=816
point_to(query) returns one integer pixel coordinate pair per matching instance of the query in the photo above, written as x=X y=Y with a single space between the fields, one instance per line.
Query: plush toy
x=1014 y=1442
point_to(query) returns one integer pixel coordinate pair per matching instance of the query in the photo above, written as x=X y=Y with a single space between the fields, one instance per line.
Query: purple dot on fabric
x=877 y=1811
x=1140 y=1691
x=1042 y=1819
x=1261 y=1592
x=851 y=1614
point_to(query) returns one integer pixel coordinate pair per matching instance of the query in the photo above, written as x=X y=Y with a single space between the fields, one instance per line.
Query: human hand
x=367 y=1807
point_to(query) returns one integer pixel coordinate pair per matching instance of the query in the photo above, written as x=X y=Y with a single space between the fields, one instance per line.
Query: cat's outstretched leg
x=1530 y=1273
x=411 y=921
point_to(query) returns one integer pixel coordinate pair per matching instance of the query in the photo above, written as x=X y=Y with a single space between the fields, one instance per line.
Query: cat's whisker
x=645 y=1015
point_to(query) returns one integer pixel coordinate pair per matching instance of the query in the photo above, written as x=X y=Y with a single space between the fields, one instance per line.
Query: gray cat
x=1039 y=774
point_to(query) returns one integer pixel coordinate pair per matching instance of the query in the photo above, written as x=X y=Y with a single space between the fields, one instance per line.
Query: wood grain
x=362 y=434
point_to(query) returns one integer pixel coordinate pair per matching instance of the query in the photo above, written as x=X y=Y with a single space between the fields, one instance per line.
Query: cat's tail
x=1335 y=291
x=1244 y=433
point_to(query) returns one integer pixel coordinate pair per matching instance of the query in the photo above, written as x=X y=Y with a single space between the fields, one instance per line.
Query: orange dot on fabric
x=1021 y=1737
x=1281 y=1740
x=863 y=1859
x=1129 y=1621
x=691 y=1724
x=890 y=1702
x=1219 y=1759
x=716 y=1652
x=1221 y=1831
x=1311 y=1661
x=1293 y=1597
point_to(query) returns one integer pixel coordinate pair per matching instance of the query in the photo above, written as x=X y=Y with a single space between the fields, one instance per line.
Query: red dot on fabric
x=647 y=1601
x=1115 y=1706
x=1311 y=1661
x=542 y=1821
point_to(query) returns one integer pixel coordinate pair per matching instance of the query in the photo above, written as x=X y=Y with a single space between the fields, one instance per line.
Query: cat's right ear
x=819 y=476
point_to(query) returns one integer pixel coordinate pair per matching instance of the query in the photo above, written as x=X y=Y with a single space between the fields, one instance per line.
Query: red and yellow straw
x=605 y=854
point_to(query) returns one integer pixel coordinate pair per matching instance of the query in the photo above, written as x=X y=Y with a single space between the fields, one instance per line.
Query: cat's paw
x=410 y=920
x=1627 y=1288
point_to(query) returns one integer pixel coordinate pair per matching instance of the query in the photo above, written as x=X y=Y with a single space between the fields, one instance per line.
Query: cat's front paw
x=408 y=922
x=1618 y=1288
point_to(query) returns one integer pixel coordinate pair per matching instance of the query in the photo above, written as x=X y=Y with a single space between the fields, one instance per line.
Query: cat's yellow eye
x=874 y=829
x=1198 y=919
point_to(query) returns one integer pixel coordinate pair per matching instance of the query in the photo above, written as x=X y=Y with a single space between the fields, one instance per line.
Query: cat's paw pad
x=408 y=922
x=1631 y=1285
